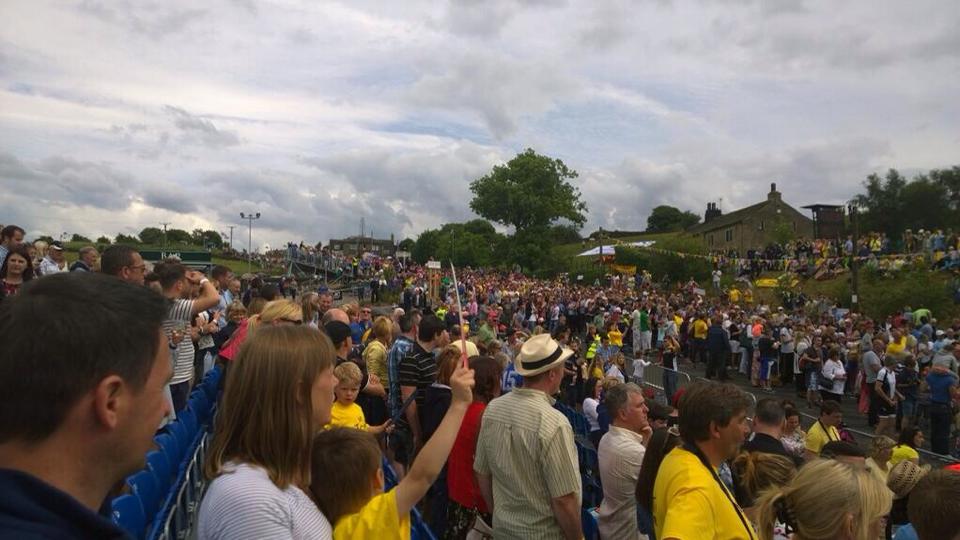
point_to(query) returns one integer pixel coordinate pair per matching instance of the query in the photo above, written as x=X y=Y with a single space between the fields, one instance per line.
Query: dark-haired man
x=401 y=441
x=177 y=283
x=418 y=370
x=768 y=420
x=824 y=430
x=11 y=236
x=689 y=498
x=123 y=262
x=82 y=374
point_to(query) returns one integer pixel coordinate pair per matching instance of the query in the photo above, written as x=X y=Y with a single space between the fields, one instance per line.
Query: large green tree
x=530 y=193
x=665 y=218
x=474 y=243
x=892 y=204
x=406 y=244
x=151 y=236
x=77 y=237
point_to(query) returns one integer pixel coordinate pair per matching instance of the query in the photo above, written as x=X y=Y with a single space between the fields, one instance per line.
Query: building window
x=760 y=227
x=710 y=240
x=794 y=226
x=728 y=235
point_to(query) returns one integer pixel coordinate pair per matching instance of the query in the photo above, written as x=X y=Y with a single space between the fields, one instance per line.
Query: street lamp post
x=250 y=218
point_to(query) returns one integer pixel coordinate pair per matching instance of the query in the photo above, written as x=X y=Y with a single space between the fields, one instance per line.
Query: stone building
x=751 y=227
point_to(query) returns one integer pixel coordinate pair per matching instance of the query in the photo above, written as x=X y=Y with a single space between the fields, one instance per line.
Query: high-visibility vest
x=592 y=350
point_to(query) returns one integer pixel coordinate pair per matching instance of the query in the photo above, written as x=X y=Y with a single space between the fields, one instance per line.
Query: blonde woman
x=827 y=500
x=278 y=396
x=375 y=353
x=880 y=453
x=759 y=471
x=276 y=313
x=375 y=357
x=310 y=303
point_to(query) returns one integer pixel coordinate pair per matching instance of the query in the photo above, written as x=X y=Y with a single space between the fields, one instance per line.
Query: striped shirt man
x=179 y=318
x=527 y=447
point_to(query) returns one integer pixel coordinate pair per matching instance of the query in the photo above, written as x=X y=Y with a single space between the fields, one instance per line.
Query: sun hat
x=472 y=349
x=538 y=354
x=904 y=476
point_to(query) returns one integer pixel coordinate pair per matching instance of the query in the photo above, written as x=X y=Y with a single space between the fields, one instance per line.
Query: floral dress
x=795 y=443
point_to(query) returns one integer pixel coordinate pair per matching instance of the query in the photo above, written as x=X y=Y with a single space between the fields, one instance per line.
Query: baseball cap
x=56 y=245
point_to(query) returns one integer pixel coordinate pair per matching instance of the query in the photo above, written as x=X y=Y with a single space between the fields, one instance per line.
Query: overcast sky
x=118 y=115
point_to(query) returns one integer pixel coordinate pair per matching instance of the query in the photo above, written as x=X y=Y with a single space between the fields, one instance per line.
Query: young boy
x=347 y=478
x=345 y=412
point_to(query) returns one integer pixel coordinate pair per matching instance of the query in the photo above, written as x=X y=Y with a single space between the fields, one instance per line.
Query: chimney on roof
x=712 y=212
x=774 y=195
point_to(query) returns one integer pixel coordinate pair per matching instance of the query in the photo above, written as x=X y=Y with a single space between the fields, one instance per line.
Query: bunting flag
x=816 y=260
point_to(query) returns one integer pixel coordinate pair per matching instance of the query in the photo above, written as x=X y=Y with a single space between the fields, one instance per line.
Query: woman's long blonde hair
x=266 y=414
x=276 y=310
x=817 y=503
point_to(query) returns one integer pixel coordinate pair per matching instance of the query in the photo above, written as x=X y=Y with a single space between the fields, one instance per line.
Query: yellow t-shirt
x=734 y=295
x=688 y=502
x=700 y=329
x=895 y=348
x=902 y=452
x=817 y=438
x=377 y=520
x=615 y=336
x=347 y=416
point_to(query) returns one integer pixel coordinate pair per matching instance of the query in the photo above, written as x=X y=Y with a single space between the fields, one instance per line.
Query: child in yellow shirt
x=347 y=478
x=345 y=411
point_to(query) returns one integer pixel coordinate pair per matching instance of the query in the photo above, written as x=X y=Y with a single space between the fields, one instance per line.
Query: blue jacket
x=30 y=508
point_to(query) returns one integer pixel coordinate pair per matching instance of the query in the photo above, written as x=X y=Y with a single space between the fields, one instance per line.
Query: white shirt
x=888 y=379
x=786 y=341
x=590 y=411
x=831 y=369
x=49 y=267
x=245 y=504
x=621 y=453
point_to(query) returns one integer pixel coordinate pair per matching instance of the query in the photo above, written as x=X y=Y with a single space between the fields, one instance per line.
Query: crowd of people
x=502 y=405
x=825 y=258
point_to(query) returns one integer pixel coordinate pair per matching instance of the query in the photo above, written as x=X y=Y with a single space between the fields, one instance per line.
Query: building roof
x=823 y=206
x=725 y=220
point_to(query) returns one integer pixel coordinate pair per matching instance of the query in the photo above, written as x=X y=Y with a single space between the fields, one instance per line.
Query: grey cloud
x=200 y=130
x=433 y=183
x=64 y=181
x=303 y=205
x=168 y=196
x=821 y=172
x=486 y=18
x=154 y=19
x=499 y=89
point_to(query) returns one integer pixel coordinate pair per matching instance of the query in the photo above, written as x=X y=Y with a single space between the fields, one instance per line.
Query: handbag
x=480 y=530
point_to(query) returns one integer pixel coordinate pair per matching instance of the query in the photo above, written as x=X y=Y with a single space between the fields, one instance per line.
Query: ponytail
x=773 y=508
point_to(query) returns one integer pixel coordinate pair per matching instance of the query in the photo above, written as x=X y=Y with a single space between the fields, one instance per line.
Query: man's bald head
x=335 y=314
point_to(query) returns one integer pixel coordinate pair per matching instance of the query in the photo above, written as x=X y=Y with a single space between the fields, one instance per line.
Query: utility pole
x=165 y=236
x=600 y=262
x=231 y=234
x=854 y=263
x=250 y=218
